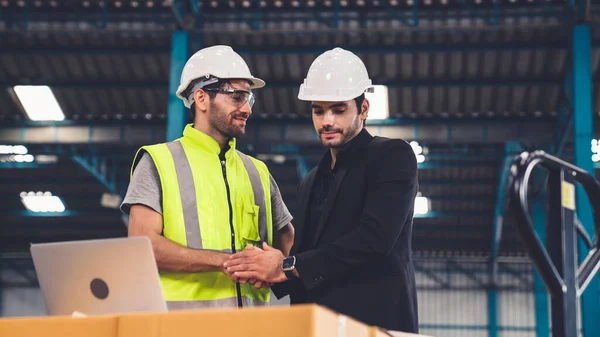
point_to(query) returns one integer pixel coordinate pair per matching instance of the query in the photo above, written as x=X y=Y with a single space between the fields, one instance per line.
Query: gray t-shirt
x=145 y=189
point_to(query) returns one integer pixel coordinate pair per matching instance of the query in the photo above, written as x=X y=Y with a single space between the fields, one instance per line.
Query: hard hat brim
x=257 y=83
x=328 y=98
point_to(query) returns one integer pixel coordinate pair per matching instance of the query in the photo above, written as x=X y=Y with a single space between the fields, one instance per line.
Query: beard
x=346 y=135
x=223 y=122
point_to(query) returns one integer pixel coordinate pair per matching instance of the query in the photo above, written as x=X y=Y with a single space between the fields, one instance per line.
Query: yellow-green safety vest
x=214 y=205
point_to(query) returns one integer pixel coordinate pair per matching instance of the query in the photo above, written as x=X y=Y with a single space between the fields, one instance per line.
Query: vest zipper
x=237 y=285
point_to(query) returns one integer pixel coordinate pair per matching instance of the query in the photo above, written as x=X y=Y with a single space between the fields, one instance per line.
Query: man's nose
x=246 y=109
x=328 y=119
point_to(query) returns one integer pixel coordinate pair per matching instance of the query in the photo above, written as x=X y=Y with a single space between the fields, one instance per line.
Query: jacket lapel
x=333 y=191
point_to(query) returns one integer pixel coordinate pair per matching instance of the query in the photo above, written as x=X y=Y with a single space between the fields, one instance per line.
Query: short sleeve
x=144 y=187
x=281 y=214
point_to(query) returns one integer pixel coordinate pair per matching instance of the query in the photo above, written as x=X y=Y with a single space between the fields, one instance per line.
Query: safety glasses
x=236 y=97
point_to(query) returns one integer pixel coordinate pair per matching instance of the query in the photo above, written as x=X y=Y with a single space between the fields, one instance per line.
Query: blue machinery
x=557 y=260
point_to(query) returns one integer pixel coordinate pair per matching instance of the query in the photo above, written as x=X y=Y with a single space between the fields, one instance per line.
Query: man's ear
x=201 y=100
x=364 y=112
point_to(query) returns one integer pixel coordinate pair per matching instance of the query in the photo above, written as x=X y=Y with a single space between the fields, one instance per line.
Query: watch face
x=288 y=263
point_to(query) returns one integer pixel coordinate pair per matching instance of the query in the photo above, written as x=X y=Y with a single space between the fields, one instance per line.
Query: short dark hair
x=359 y=101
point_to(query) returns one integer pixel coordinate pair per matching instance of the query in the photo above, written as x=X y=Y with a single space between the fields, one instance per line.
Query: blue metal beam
x=492 y=302
x=102 y=175
x=583 y=130
x=176 y=116
x=542 y=320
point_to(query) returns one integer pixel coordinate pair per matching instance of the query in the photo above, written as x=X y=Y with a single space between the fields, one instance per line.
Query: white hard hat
x=217 y=61
x=336 y=75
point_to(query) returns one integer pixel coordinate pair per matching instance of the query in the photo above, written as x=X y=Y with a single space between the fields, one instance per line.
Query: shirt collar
x=205 y=142
x=355 y=144
x=347 y=151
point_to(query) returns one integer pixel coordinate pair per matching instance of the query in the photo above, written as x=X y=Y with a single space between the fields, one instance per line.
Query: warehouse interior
x=472 y=82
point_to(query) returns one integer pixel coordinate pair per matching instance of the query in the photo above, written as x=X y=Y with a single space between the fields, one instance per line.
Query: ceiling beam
x=291 y=132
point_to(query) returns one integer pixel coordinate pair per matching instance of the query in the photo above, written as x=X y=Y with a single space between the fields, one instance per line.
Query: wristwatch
x=288 y=265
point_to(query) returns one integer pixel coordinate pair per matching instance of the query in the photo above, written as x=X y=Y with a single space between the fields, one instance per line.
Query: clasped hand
x=259 y=267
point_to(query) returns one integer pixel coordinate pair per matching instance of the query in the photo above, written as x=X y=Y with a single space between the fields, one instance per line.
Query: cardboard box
x=295 y=321
x=59 y=326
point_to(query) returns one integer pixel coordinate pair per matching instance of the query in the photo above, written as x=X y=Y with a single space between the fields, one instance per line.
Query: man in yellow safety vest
x=198 y=199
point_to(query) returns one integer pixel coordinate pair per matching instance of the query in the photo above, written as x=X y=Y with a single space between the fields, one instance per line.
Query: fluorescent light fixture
x=422 y=205
x=110 y=200
x=23 y=158
x=276 y=158
x=46 y=159
x=13 y=149
x=379 y=103
x=39 y=103
x=42 y=202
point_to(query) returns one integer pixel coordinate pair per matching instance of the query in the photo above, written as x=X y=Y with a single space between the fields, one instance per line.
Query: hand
x=254 y=263
x=257 y=284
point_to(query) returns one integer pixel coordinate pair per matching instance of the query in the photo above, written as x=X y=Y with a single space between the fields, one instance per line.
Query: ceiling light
x=42 y=202
x=39 y=103
x=13 y=149
x=422 y=205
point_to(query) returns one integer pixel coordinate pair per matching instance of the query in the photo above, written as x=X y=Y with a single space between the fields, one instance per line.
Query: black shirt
x=323 y=180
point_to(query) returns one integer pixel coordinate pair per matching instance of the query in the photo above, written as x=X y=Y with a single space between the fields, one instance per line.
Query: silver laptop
x=96 y=277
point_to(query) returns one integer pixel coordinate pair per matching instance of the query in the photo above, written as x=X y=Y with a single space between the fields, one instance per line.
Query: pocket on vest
x=249 y=224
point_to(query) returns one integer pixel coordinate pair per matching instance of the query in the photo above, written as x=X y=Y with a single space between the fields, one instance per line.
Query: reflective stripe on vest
x=221 y=303
x=187 y=192
x=259 y=194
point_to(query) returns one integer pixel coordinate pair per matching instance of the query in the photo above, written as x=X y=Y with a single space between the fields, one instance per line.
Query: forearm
x=284 y=239
x=173 y=257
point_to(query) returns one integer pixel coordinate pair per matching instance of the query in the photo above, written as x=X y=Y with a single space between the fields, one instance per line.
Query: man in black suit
x=352 y=251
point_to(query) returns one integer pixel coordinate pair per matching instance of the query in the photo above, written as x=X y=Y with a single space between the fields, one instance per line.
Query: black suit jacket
x=359 y=262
